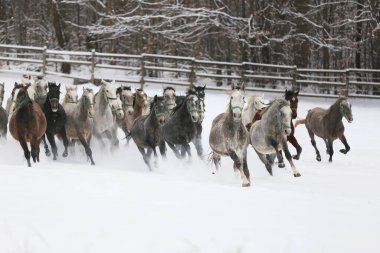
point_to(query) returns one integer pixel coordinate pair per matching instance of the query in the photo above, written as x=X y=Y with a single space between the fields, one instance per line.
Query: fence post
x=347 y=77
x=243 y=68
x=44 y=62
x=142 y=72
x=192 y=76
x=295 y=86
x=93 y=65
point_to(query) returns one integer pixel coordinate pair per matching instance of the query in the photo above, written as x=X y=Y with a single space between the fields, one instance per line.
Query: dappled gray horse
x=80 y=120
x=147 y=131
x=229 y=137
x=328 y=125
x=268 y=135
x=108 y=109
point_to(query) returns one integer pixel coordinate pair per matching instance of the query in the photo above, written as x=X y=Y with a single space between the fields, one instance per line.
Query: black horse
x=56 y=119
x=180 y=128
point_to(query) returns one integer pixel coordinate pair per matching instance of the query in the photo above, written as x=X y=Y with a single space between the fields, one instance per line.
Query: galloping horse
x=179 y=130
x=27 y=124
x=56 y=119
x=328 y=125
x=140 y=104
x=3 y=114
x=126 y=97
x=80 y=120
x=147 y=131
x=268 y=135
x=229 y=137
x=199 y=91
x=108 y=110
x=170 y=100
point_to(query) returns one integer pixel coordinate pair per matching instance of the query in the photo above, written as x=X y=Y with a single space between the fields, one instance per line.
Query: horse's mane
x=278 y=101
x=168 y=88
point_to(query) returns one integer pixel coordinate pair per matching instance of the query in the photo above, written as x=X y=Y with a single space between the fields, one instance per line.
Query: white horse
x=108 y=109
x=253 y=105
x=229 y=137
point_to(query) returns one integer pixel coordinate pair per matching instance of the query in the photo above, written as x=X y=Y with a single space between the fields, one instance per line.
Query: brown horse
x=126 y=97
x=27 y=124
x=292 y=97
x=328 y=125
x=140 y=104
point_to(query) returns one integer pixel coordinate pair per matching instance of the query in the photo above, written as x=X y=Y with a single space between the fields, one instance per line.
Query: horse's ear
x=204 y=86
x=155 y=98
x=59 y=85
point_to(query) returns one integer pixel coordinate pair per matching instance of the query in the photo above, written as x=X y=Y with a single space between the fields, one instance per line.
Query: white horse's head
x=71 y=95
x=169 y=97
x=126 y=96
x=192 y=105
x=237 y=101
x=40 y=90
x=108 y=90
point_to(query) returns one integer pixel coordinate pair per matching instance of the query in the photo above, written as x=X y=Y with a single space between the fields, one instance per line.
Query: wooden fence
x=183 y=71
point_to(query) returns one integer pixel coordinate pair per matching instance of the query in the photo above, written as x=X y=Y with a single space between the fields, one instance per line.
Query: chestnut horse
x=27 y=124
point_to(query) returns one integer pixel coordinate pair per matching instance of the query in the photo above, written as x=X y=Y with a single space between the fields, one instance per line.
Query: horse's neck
x=101 y=101
x=230 y=123
x=137 y=110
x=81 y=109
x=334 y=114
x=26 y=112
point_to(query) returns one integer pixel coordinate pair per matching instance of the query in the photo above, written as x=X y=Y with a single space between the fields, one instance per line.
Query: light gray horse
x=71 y=95
x=328 y=125
x=253 y=105
x=108 y=109
x=268 y=135
x=229 y=137
x=80 y=122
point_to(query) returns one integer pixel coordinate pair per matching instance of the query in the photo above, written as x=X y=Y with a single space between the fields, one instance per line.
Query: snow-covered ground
x=119 y=206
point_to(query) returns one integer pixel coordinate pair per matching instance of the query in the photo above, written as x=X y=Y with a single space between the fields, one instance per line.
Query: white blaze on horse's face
x=192 y=104
x=237 y=101
x=346 y=109
x=169 y=97
x=114 y=102
x=285 y=118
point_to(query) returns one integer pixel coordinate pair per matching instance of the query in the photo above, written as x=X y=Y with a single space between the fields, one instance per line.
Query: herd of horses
x=35 y=112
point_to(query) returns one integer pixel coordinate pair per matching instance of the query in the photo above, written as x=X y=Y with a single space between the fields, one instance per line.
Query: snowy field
x=69 y=206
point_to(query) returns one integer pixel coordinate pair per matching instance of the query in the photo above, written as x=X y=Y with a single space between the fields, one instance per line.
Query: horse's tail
x=299 y=122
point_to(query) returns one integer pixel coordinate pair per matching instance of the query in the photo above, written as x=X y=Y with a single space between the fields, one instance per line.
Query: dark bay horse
x=268 y=135
x=56 y=119
x=80 y=120
x=179 y=129
x=328 y=125
x=229 y=137
x=27 y=124
x=3 y=115
x=147 y=131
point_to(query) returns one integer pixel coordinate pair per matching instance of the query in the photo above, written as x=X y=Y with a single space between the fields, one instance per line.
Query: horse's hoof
x=246 y=185
x=47 y=153
x=330 y=160
x=343 y=151
x=318 y=158
x=297 y=175
x=281 y=165
x=54 y=158
x=64 y=154
x=296 y=157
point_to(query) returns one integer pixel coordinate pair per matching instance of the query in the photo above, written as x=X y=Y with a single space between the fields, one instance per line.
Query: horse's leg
x=162 y=148
x=280 y=158
x=115 y=140
x=327 y=146
x=145 y=157
x=311 y=134
x=50 y=137
x=34 y=149
x=198 y=141
x=149 y=152
x=47 y=151
x=187 y=150
x=346 y=146
x=216 y=160
x=289 y=158
x=65 y=141
x=330 y=149
x=24 y=146
x=175 y=150
x=239 y=165
x=155 y=162
x=266 y=162
x=86 y=146
x=292 y=139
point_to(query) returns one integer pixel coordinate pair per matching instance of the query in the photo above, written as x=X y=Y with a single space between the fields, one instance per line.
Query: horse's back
x=314 y=121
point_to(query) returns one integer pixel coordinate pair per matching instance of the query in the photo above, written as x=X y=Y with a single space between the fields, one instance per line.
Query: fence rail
x=184 y=71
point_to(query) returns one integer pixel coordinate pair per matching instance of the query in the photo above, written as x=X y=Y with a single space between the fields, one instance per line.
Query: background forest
x=309 y=33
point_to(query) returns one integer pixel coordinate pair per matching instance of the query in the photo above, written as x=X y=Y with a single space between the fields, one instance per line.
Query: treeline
x=310 y=34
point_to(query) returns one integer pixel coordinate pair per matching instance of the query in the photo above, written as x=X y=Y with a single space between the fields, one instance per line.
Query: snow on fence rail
x=184 y=71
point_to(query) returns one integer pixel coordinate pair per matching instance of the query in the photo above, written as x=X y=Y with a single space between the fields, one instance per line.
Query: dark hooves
x=297 y=175
x=64 y=154
x=296 y=157
x=246 y=185
x=318 y=158
x=47 y=153
x=343 y=151
x=281 y=165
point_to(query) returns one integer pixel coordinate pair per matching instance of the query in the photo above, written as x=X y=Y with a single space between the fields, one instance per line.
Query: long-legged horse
x=268 y=135
x=229 y=137
x=56 y=119
x=108 y=109
x=27 y=124
x=328 y=125
x=80 y=122
x=147 y=131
